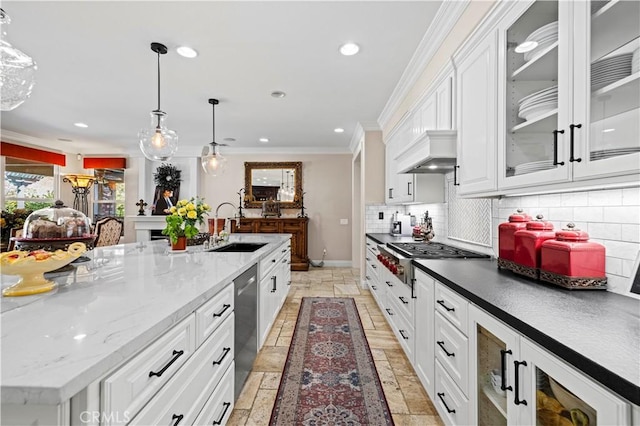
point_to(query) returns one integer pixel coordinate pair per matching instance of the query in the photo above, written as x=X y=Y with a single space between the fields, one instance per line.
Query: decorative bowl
x=31 y=266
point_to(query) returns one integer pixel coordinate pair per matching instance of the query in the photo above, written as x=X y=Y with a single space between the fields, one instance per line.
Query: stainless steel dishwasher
x=246 y=324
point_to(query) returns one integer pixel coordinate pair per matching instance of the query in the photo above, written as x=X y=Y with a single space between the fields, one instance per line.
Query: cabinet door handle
x=516 y=398
x=389 y=283
x=374 y=266
x=413 y=285
x=441 y=344
x=367 y=258
x=224 y=413
x=441 y=302
x=402 y=334
x=273 y=260
x=224 y=309
x=390 y=193
x=403 y=300
x=503 y=368
x=177 y=419
x=455 y=175
x=225 y=351
x=284 y=260
x=571 y=146
x=409 y=188
x=389 y=311
x=555 y=150
x=274 y=278
x=284 y=250
x=176 y=355
x=449 y=410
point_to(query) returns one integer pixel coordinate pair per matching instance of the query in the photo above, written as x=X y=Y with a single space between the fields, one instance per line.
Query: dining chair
x=108 y=231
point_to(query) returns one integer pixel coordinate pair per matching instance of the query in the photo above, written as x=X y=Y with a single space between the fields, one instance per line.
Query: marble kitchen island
x=58 y=346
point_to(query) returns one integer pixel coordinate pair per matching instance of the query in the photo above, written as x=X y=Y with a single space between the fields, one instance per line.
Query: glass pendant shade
x=158 y=143
x=17 y=71
x=214 y=163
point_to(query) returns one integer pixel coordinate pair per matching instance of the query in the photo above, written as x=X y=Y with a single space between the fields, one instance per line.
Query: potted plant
x=183 y=221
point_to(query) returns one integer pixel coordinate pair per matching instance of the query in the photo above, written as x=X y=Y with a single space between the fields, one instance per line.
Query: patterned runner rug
x=329 y=377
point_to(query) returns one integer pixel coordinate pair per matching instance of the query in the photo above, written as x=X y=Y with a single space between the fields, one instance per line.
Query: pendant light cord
x=158 y=126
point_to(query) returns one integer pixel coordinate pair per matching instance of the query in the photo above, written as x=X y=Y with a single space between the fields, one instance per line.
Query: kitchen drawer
x=134 y=384
x=218 y=407
x=452 y=350
x=401 y=294
x=182 y=399
x=213 y=313
x=451 y=404
x=404 y=331
x=453 y=307
x=272 y=260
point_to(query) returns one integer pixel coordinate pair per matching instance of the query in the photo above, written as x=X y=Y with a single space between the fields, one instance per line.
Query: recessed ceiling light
x=338 y=130
x=278 y=94
x=229 y=139
x=264 y=140
x=84 y=126
x=526 y=46
x=349 y=49
x=187 y=52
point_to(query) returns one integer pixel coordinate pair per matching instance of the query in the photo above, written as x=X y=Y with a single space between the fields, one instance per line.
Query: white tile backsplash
x=622 y=214
x=605 y=231
x=631 y=196
x=606 y=198
x=575 y=199
x=630 y=233
x=588 y=214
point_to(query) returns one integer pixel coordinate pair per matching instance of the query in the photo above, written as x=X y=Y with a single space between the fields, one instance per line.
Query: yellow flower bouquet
x=184 y=218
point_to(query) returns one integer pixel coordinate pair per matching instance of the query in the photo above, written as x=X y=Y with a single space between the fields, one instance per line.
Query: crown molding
x=444 y=21
x=9 y=136
x=286 y=150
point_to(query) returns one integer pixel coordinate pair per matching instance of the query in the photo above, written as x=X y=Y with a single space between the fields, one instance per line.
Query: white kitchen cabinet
x=424 y=328
x=476 y=119
x=590 y=129
x=534 y=385
x=371 y=266
x=275 y=281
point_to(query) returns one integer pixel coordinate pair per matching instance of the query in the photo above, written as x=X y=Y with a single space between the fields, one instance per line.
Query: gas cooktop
x=433 y=250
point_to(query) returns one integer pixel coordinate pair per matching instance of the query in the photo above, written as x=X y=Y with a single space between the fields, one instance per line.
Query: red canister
x=506 y=238
x=573 y=262
x=528 y=243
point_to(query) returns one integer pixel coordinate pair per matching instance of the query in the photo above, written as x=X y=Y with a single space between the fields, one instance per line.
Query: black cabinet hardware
x=441 y=344
x=389 y=283
x=389 y=311
x=374 y=287
x=503 y=368
x=225 y=351
x=273 y=260
x=455 y=175
x=390 y=193
x=402 y=334
x=224 y=412
x=449 y=410
x=441 y=302
x=274 y=278
x=176 y=355
x=367 y=277
x=409 y=188
x=177 y=419
x=374 y=266
x=224 y=309
x=516 y=398
x=571 y=147
x=555 y=149
x=413 y=285
x=403 y=300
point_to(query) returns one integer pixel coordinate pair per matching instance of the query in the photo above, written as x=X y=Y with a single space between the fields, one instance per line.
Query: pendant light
x=213 y=163
x=17 y=71
x=158 y=143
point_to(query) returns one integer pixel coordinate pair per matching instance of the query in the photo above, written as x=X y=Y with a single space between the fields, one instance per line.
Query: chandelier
x=158 y=143
x=17 y=71
x=213 y=163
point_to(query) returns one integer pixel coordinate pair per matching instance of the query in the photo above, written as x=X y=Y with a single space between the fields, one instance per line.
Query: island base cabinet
x=517 y=382
x=183 y=397
x=218 y=407
x=35 y=415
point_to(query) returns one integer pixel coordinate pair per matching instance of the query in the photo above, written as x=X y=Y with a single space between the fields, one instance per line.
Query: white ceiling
x=95 y=66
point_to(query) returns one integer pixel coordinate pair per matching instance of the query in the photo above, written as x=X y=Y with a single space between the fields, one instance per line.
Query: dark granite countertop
x=598 y=332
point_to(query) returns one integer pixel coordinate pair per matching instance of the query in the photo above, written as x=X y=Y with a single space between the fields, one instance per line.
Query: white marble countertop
x=55 y=344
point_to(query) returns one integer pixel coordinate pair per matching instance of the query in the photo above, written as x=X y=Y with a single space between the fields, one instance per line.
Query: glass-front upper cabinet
x=571 y=92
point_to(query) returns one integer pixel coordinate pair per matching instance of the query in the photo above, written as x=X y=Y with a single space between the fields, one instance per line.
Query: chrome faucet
x=215 y=222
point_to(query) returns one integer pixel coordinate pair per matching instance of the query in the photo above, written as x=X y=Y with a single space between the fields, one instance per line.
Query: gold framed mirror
x=271 y=180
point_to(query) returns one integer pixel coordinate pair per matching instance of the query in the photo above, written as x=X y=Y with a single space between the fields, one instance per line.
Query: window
x=108 y=195
x=28 y=184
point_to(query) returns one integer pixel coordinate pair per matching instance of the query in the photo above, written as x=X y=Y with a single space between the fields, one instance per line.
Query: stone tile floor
x=407 y=399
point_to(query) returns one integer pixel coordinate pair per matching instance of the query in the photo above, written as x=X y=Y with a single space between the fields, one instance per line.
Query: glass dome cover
x=57 y=222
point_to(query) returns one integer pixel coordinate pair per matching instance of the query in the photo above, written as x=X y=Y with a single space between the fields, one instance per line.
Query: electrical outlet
x=324 y=251
x=344 y=221
x=380 y=215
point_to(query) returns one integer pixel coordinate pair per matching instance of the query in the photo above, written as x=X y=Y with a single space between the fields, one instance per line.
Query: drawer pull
x=441 y=302
x=225 y=352
x=224 y=413
x=402 y=334
x=224 y=309
x=449 y=410
x=367 y=277
x=516 y=398
x=403 y=300
x=274 y=278
x=374 y=266
x=284 y=250
x=176 y=355
x=413 y=285
x=441 y=344
x=368 y=260
x=389 y=283
x=389 y=311
x=273 y=260
x=177 y=419
x=503 y=367
x=284 y=260
x=374 y=287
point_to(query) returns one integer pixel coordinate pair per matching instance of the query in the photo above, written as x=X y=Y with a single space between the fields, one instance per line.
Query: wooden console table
x=295 y=226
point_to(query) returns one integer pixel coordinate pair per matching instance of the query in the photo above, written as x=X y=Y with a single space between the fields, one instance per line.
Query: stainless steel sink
x=238 y=247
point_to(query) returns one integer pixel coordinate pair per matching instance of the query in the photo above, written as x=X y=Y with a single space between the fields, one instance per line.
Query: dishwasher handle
x=246 y=285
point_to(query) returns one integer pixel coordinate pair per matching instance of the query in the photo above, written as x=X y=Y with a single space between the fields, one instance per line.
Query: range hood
x=434 y=151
